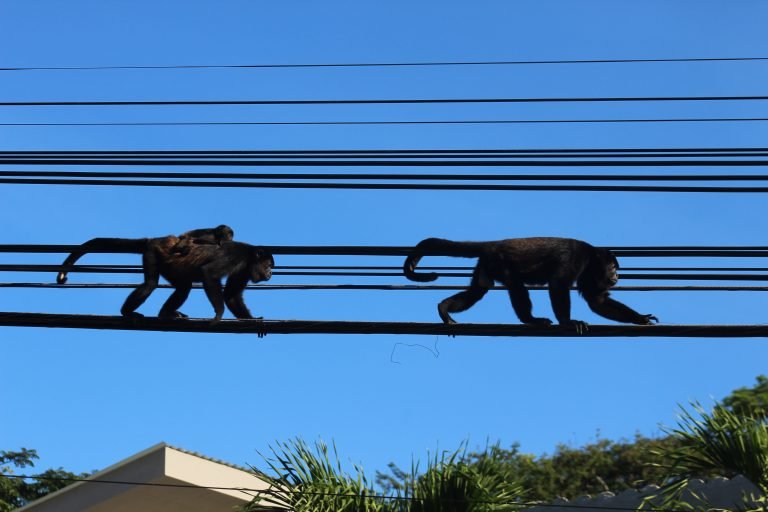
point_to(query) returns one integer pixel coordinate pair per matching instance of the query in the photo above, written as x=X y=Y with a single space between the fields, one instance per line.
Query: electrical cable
x=391 y=101
x=385 y=64
x=354 y=123
x=277 y=493
x=383 y=186
x=258 y=326
x=316 y=153
x=385 y=287
x=344 y=163
x=125 y=269
x=736 y=251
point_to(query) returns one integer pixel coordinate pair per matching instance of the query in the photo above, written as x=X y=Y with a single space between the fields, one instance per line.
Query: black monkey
x=515 y=262
x=215 y=236
x=205 y=263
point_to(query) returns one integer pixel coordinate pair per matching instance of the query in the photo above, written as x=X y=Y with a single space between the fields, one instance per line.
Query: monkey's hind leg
x=145 y=289
x=521 y=303
x=462 y=301
x=174 y=302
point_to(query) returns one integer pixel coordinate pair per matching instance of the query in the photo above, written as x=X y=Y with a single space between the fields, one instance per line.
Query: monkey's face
x=261 y=269
x=607 y=275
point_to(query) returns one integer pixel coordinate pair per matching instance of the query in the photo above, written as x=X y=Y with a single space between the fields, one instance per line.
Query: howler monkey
x=204 y=263
x=515 y=262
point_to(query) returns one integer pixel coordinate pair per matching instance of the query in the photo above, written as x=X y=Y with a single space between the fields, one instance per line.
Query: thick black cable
x=383 y=186
x=125 y=269
x=384 y=64
x=14 y=319
x=353 y=123
x=403 y=101
x=340 y=163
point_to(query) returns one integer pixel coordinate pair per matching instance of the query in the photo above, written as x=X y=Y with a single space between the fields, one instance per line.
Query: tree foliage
x=749 y=401
x=16 y=492
x=721 y=442
x=311 y=479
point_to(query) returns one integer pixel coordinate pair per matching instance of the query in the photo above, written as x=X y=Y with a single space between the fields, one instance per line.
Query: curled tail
x=438 y=247
x=117 y=245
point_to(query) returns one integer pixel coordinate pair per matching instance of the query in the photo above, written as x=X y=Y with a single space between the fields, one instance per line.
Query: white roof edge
x=95 y=476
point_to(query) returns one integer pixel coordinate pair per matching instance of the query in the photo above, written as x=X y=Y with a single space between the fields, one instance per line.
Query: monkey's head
x=261 y=265
x=224 y=233
x=610 y=267
x=601 y=273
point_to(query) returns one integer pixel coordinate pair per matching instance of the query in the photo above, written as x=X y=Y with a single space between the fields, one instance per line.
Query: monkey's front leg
x=560 y=296
x=611 y=309
x=212 y=287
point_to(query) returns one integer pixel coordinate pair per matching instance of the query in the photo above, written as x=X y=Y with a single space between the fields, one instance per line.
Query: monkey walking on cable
x=515 y=262
x=198 y=256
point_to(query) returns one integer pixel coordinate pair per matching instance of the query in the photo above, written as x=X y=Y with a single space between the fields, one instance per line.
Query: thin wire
x=385 y=64
x=352 y=123
x=385 y=287
x=352 y=163
x=319 y=493
x=416 y=101
x=383 y=186
x=48 y=156
x=737 y=251
x=125 y=269
x=388 y=152
x=399 y=176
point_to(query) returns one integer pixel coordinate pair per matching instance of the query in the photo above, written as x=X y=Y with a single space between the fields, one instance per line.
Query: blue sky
x=85 y=399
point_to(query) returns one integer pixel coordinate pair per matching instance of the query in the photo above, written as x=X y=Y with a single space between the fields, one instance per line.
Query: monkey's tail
x=438 y=247
x=117 y=245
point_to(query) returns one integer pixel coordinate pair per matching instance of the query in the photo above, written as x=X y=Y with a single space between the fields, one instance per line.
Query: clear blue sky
x=85 y=399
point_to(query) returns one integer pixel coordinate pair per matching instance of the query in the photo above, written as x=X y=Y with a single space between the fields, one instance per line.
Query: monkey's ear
x=261 y=253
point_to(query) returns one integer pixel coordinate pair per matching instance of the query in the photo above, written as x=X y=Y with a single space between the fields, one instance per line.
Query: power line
x=125 y=269
x=348 y=163
x=384 y=186
x=384 y=64
x=737 y=251
x=393 y=153
x=384 y=123
x=384 y=287
x=385 y=177
x=403 y=101
x=273 y=492
x=10 y=319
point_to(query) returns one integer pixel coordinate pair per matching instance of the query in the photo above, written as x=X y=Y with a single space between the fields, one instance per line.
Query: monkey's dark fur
x=216 y=236
x=205 y=263
x=515 y=262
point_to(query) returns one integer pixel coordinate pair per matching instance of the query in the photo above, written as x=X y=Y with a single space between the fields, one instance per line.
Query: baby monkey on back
x=516 y=262
x=212 y=236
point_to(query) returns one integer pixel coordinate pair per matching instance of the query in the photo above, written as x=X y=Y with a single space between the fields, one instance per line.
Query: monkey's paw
x=175 y=314
x=260 y=330
x=132 y=316
x=539 y=321
x=647 y=320
x=580 y=326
